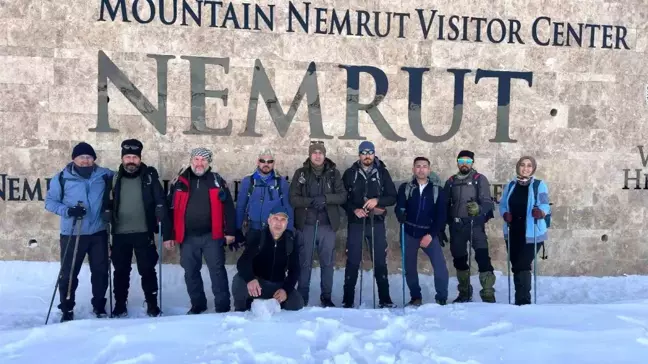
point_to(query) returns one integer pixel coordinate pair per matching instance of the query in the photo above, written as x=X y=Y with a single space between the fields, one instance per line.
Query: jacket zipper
x=274 y=256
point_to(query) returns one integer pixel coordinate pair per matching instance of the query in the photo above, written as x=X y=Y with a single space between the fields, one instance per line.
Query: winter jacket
x=267 y=192
x=464 y=190
x=152 y=195
x=221 y=206
x=304 y=185
x=269 y=260
x=378 y=184
x=76 y=188
x=420 y=213
x=540 y=228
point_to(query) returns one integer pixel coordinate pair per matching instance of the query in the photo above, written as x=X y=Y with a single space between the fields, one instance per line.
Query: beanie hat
x=131 y=146
x=366 y=145
x=316 y=146
x=202 y=152
x=83 y=148
x=534 y=164
x=466 y=153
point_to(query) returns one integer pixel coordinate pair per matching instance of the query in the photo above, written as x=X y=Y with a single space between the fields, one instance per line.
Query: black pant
x=192 y=251
x=122 y=259
x=521 y=252
x=459 y=237
x=242 y=299
x=96 y=247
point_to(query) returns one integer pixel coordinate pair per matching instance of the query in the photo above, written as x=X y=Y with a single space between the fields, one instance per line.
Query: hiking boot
x=152 y=309
x=100 y=312
x=120 y=310
x=522 y=282
x=442 y=302
x=386 y=305
x=326 y=301
x=67 y=316
x=487 y=293
x=464 y=287
x=416 y=302
x=347 y=304
x=196 y=310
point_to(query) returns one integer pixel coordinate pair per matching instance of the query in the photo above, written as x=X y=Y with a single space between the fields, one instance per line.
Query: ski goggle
x=464 y=161
x=367 y=152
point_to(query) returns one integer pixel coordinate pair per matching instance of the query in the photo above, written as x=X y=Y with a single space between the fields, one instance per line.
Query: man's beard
x=131 y=167
x=193 y=169
x=464 y=169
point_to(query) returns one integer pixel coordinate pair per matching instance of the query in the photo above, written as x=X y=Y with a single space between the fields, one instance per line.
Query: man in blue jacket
x=421 y=207
x=258 y=194
x=76 y=194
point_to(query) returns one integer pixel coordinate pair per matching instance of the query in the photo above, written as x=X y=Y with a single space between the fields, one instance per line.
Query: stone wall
x=580 y=109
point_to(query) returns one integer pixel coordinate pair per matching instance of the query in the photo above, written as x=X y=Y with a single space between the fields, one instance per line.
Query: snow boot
x=152 y=308
x=67 y=316
x=100 y=312
x=522 y=282
x=120 y=310
x=196 y=310
x=326 y=301
x=415 y=302
x=464 y=287
x=442 y=302
x=386 y=304
x=487 y=280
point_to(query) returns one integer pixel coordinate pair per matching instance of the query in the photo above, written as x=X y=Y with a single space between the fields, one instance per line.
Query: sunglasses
x=269 y=161
x=464 y=161
x=367 y=152
x=131 y=147
x=316 y=142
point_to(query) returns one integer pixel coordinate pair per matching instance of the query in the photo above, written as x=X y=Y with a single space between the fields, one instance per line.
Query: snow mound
x=264 y=309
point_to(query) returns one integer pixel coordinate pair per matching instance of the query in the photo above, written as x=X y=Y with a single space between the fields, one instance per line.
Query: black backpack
x=476 y=176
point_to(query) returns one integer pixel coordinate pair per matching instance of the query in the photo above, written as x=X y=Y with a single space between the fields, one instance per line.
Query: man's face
x=277 y=223
x=265 y=163
x=526 y=168
x=131 y=163
x=317 y=158
x=84 y=161
x=464 y=164
x=199 y=165
x=421 y=169
x=367 y=157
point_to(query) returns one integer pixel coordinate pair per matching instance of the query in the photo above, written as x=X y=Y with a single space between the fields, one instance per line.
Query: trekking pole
x=470 y=248
x=313 y=250
x=160 y=251
x=535 y=263
x=362 y=241
x=110 y=289
x=373 y=260
x=508 y=258
x=402 y=226
x=58 y=278
x=76 y=250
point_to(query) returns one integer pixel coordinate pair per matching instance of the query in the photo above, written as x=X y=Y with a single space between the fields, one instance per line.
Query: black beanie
x=131 y=146
x=83 y=148
x=466 y=153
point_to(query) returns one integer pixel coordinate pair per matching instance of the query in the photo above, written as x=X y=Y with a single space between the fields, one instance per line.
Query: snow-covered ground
x=577 y=320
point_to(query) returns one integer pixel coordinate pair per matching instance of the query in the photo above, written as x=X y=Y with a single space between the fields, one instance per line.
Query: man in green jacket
x=316 y=194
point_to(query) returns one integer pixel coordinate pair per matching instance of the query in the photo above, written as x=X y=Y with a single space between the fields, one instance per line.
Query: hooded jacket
x=460 y=191
x=303 y=183
x=539 y=231
x=89 y=191
x=422 y=215
x=378 y=185
x=265 y=194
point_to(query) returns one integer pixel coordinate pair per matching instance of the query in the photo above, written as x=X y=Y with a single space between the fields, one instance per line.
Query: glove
x=473 y=208
x=443 y=238
x=319 y=202
x=235 y=246
x=159 y=212
x=537 y=213
x=106 y=216
x=239 y=237
x=77 y=212
x=508 y=217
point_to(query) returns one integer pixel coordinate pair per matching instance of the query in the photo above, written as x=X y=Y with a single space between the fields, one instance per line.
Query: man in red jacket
x=204 y=222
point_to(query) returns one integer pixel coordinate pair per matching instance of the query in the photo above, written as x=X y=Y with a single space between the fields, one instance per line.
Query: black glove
x=236 y=245
x=443 y=238
x=239 y=237
x=159 y=212
x=106 y=216
x=319 y=202
x=77 y=211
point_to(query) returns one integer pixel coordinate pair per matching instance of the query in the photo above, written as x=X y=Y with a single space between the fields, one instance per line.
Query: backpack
x=277 y=186
x=536 y=184
x=476 y=176
x=355 y=178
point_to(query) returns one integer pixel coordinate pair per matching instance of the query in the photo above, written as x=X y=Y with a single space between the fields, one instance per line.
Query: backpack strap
x=436 y=192
x=62 y=183
x=278 y=188
x=536 y=184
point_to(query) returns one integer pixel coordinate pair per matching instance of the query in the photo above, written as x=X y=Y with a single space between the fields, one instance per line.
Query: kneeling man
x=262 y=266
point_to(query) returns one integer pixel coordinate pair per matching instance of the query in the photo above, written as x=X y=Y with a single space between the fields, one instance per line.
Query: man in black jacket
x=370 y=190
x=262 y=266
x=204 y=221
x=317 y=192
x=137 y=205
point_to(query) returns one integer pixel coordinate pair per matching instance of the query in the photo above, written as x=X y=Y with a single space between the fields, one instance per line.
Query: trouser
x=459 y=237
x=146 y=256
x=354 y=258
x=521 y=253
x=192 y=251
x=242 y=299
x=96 y=247
x=435 y=253
x=325 y=245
